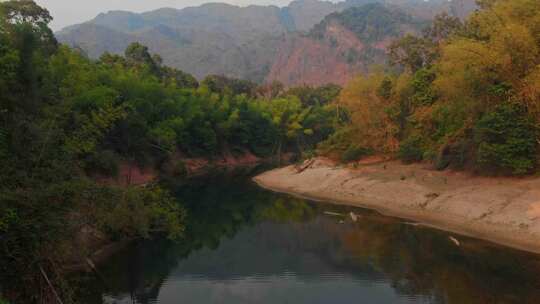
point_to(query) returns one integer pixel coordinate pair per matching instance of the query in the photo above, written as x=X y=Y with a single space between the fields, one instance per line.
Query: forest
x=463 y=95
x=67 y=119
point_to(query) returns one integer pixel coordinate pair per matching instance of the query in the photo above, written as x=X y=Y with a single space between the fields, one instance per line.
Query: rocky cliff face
x=341 y=46
x=304 y=60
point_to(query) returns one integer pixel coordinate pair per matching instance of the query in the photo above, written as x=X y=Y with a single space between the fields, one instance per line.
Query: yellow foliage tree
x=496 y=61
x=434 y=109
x=369 y=113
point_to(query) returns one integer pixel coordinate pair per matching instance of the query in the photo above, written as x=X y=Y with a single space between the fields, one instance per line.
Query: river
x=248 y=245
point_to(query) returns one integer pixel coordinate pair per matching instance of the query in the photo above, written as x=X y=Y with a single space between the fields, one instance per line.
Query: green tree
x=138 y=55
x=412 y=52
x=506 y=139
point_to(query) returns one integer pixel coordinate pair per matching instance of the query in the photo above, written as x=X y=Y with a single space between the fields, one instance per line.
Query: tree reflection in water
x=240 y=233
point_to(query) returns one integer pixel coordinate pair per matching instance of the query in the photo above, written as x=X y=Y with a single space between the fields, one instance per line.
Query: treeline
x=65 y=119
x=468 y=96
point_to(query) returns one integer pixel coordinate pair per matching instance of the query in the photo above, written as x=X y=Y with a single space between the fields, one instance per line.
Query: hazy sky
x=67 y=12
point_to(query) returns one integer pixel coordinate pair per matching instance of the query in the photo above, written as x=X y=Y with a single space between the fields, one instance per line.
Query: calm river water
x=248 y=245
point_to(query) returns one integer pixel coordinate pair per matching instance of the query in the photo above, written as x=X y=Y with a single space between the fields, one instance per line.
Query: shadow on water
x=248 y=245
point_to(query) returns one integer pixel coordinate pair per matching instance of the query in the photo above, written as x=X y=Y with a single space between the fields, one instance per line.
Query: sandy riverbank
x=502 y=210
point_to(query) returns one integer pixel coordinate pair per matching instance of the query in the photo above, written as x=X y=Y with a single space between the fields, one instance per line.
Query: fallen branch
x=94 y=268
x=50 y=285
x=305 y=166
x=333 y=213
x=454 y=240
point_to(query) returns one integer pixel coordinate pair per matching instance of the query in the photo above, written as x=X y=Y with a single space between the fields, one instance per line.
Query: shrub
x=385 y=88
x=506 y=140
x=337 y=143
x=137 y=212
x=456 y=154
x=411 y=149
x=354 y=152
x=424 y=95
x=308 y=154
x=179 y=169
x=3 y=145
x=104 y=162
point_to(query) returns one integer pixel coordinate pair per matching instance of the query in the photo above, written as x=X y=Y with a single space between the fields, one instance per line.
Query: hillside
x=341 y=46
x=244 y=42
x=210 y=39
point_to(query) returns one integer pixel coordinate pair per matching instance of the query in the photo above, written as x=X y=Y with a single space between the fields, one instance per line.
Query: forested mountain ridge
x=342 y=45
x=241 y=42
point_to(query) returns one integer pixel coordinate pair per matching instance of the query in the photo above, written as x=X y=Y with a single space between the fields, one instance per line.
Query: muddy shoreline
x=505 y=211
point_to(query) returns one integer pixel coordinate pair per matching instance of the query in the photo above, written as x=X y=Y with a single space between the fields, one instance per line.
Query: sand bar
x=498 y=209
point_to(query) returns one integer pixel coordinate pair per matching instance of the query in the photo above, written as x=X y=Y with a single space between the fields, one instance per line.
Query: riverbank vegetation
x=67 y=120
x=468 y=95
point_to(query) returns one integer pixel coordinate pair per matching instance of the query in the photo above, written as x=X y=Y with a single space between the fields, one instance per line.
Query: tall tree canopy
x=461 y=82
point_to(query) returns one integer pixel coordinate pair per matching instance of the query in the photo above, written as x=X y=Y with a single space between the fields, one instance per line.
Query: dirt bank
x=501 y=210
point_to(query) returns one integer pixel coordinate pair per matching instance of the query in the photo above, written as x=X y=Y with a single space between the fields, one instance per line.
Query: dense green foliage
x=467 y=97
x=55 y=113
x=410 y=149
x=353 y=153
x=310 y=96
x=506 y=139
x=225 y=85
x=68 y=125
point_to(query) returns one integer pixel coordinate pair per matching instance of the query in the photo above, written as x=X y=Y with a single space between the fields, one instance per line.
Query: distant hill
x=245 y=42
x=342 y=45
x=209 y=39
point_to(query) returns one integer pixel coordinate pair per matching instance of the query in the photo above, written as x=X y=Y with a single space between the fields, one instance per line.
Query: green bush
x=385 y=88
x=456 y=154
x=137 y=212
x=308 y=154
x=450 y=119
x=411 y=149
x=104 y=162
x=3 y=145
x=424 y=95
x=354 y=152
x=506 y=140
x=180 y=169
x=337 y=142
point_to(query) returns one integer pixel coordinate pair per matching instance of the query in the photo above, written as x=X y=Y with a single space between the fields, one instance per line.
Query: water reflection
x=246 y=245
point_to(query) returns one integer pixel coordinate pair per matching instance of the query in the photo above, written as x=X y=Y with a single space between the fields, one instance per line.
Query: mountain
x=210 y=39
x=260 y=43
x=341 y=46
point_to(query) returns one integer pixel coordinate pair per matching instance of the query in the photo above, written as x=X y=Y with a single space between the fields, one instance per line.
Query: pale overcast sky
x=67 y=12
